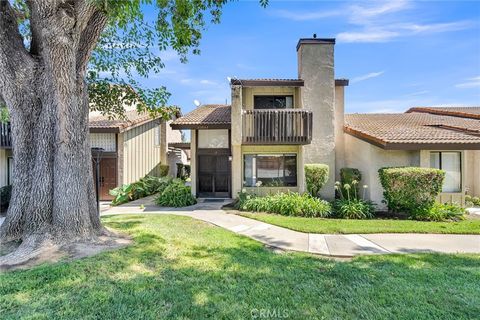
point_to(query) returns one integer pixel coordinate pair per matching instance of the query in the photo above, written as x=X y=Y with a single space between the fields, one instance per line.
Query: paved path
x=324 y=244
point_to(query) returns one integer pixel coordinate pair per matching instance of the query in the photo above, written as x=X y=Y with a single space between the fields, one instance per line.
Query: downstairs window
x=270 y=170
x=451 y=163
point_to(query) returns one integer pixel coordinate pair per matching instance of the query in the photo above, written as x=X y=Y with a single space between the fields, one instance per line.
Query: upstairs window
x=451 y=163
x=272 y=102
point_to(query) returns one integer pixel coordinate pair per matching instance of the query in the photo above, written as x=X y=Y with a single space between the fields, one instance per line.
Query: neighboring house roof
x=463 y=112
x=208 y=116
x=415 y=130
x=101 y=123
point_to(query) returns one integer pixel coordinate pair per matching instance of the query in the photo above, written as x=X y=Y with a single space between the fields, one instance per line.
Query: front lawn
x=180 y=268
x=346 y=226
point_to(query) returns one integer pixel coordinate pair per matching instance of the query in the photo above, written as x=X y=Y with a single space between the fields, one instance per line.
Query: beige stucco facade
x=369 y=158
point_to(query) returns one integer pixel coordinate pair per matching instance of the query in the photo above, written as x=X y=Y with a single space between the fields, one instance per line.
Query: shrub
x=288 y=204
x=412 y=190
x=164 y=170
x=177 y=194
x=146 y=186
x=348 y=175
x=5 y=195
x=316 y=175
x=350 y=205
x=441 y=212
x=472 y=201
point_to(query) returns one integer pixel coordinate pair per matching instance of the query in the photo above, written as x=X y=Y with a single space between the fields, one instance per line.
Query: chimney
x=316 y=68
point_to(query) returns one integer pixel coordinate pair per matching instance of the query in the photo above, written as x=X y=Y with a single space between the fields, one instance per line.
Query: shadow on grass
x=181 y=268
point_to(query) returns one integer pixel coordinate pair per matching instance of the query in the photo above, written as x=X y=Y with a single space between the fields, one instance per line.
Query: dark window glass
x=270 y=170
x=272 y=102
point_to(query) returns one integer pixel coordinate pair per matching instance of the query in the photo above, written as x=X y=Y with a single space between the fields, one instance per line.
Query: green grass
x=346 y=226
x=180 y=268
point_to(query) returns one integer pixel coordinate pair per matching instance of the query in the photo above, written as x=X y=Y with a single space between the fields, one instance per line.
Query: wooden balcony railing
x=273 y=126
x=5 y=135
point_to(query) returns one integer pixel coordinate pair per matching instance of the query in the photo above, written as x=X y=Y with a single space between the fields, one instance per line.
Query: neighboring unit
x=131 y=148
x=274 y=127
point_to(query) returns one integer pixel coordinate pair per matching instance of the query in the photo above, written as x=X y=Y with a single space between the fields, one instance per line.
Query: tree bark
x=53 y=195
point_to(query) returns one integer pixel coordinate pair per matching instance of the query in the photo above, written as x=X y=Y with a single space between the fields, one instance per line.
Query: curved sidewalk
x=324 y=244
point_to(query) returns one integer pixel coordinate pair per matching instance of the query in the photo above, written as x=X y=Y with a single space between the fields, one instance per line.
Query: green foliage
x=289 y=204
x=5 y=195
x=412 y=190
x=472 y=201
x=316 y=175
x=353 y=209
x=440 y=212
x=350 y=205
x=348 y=175
x=176 y=194
x=164 y=170
x=135 y=45
x=183 y=171
x=4 y=114
x=146 y=186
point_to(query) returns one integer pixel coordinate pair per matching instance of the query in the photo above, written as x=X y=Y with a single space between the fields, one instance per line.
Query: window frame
x=283 y=155
x=273 y=96
x=460 y=153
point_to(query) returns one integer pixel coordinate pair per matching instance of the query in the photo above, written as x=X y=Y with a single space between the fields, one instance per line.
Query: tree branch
x=14 y=58
x=88 y=40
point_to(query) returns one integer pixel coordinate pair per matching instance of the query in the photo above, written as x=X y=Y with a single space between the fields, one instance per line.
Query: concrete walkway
x=324 y=244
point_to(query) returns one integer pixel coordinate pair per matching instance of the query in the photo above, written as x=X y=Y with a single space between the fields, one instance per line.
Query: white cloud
x=367 y=36
x=367 y=76
x=304 y=16
x=417 y=93
x=471 y=83
x=377 y=21
x=208 y=82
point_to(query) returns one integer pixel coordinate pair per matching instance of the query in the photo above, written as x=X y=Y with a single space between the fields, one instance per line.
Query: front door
x=213 y=176
x=108 y=177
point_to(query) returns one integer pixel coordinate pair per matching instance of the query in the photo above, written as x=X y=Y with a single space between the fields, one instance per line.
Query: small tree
x=316 y=175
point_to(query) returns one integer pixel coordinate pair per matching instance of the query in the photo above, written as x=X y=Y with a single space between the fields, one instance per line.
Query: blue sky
x=396 y=54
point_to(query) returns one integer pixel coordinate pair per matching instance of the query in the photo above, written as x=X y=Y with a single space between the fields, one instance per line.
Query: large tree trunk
x=53 y=197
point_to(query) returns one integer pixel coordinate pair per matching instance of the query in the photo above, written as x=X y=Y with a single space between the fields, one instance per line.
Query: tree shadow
x=219 y=275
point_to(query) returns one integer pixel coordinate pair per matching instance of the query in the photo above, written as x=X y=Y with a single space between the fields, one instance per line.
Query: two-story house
x=274 y=127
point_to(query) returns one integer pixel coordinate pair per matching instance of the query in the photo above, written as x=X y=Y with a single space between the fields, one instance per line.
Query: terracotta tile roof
x=205 y=116
x=133 y=118
x=463 y=112
x=414 y=130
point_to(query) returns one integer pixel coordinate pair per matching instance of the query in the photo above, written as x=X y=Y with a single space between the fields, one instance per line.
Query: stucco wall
x=339 y=135
x=369 y=158
x=140 y=154
x=472 y=172
x=316 y=68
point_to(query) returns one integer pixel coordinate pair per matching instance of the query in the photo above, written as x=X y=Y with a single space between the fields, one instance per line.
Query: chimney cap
x=315 y=40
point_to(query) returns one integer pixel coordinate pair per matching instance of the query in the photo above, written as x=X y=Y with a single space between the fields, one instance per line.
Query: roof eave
x=196 y=126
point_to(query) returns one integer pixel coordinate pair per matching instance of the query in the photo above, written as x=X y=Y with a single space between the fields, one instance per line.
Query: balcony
x=5 y=135
x=273 y=126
